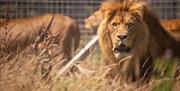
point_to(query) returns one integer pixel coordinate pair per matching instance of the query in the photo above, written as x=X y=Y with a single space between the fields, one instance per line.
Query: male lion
x=18 y=33
x=130 y=29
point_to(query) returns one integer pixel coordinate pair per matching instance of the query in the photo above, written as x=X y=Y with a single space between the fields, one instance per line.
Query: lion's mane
x=153 y=44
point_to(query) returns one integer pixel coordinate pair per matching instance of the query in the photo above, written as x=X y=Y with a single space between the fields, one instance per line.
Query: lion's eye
x=129 y=25
x=115 y=24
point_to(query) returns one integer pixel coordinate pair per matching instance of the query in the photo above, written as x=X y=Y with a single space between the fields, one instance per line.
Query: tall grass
x=27 y=71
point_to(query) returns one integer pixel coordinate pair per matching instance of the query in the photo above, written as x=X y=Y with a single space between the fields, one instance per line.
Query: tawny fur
x=24 y=31
x=151 y=40
x=173 y=26
x=92 y=22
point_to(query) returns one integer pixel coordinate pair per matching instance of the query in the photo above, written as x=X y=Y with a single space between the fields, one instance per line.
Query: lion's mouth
x=121 y=49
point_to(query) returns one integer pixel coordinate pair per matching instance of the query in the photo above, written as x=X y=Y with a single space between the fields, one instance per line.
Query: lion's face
x=122 y=32
x=125 y=27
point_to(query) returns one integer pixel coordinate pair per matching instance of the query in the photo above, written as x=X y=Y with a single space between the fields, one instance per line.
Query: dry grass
x=27 y=71
x=91 y=77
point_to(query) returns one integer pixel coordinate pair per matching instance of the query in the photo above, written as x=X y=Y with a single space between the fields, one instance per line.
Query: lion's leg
x=129 y=71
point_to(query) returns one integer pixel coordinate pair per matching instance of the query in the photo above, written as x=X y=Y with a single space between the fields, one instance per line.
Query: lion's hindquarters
x=70 y=36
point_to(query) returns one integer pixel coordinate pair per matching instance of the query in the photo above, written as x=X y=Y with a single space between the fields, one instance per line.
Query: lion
x=22 y=32
x=173 y=26
x=131 y=38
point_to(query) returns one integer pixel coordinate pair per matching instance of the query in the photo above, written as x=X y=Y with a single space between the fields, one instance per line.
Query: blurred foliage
x=164 y=73
x=165 y=67
x=164 y=85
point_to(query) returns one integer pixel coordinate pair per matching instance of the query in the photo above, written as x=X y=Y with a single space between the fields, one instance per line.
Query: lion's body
x=23 y=31
x=172 y=24
x=93 y=21
x=146 y=37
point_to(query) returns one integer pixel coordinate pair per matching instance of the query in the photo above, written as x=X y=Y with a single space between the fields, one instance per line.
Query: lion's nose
x=122 y=36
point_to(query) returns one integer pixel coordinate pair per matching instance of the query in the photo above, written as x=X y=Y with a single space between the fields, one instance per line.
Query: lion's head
x=124 y=26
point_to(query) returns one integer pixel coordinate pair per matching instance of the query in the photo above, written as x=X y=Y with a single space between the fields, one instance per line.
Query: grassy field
x=29 y=72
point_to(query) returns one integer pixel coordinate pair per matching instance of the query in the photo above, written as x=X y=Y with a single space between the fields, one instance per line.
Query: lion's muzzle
x=122 y=36
x=121 y=49
x=121 y=46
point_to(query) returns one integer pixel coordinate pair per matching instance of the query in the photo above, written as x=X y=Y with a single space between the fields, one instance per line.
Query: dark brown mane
x=160 y=36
